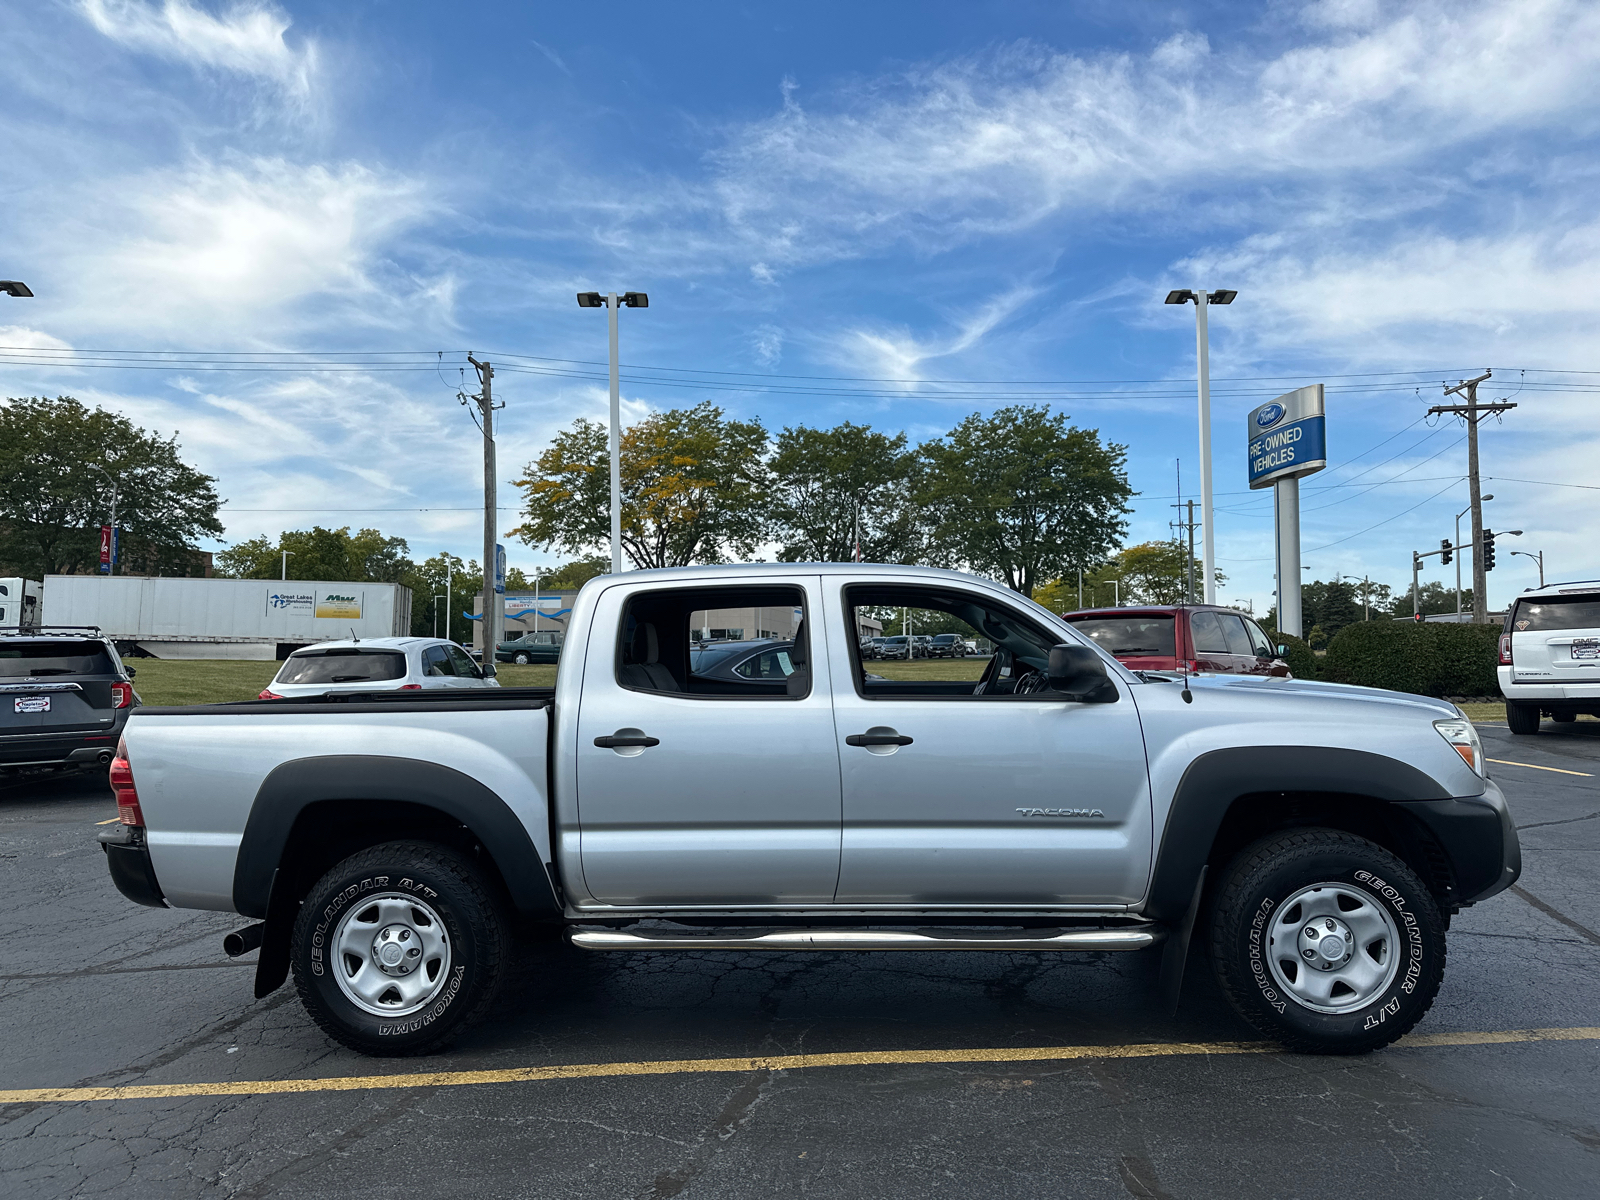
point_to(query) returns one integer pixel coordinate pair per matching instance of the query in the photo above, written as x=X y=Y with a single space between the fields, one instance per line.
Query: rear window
x=1143 y=635
x=342 y=666
x=20 y=660
x=1556 y=612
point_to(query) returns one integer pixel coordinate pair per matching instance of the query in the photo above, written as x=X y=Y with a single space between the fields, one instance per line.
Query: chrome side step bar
x=1137 y=937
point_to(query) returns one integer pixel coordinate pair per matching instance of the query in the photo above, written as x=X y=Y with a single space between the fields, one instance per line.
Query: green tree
x=428 y=581
x=569 y=577
x=53 y=501
x=692 y=489
x=317 y=553
x=829 y=485
x=1023 y=496
x=1435 y=598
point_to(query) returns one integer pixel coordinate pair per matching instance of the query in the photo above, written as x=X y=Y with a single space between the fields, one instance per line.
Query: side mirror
x=131 y=672
x=1078 y=674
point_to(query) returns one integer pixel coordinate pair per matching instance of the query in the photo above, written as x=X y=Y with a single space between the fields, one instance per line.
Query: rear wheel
x=521 y=658
x=1522 y=718
x=1327 y=942
x=398 y=949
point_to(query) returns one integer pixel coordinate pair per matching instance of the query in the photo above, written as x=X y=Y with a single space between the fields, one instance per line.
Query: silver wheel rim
x=391 y=955
x=1333 y=948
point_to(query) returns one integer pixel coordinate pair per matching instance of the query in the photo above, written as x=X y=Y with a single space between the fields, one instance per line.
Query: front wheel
x=1522 y=718
x=1327 y=942
x=398 y=949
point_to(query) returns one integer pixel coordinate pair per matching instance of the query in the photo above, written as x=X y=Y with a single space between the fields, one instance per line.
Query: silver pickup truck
x=387 y=846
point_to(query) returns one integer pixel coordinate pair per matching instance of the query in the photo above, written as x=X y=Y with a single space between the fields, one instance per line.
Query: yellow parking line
x=113 y=821
x=706 y=1066
x=1506 y=762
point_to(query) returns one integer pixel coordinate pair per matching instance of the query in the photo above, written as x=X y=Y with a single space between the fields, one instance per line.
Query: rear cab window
x=342 y=665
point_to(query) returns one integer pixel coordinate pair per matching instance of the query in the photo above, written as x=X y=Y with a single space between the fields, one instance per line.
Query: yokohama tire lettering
x=432 y=1015
x=1258 y=966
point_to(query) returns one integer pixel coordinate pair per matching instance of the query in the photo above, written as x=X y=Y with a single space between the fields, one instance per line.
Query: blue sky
x=912 y=193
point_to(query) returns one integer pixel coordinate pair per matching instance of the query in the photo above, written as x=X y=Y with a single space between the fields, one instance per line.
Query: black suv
x=64 y=698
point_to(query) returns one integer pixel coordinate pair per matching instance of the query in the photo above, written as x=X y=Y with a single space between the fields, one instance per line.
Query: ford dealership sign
x=1286 y=437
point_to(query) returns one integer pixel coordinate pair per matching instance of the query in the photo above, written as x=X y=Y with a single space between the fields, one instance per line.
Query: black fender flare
x=1214 y=780
x=293 y=786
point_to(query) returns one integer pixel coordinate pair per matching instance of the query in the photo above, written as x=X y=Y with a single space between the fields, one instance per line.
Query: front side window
x=464 y=667
x=1015 y=666
x=1259 y=641
x=1233 y=633
x=342 y=665
x=769 y=664
x=437 y=663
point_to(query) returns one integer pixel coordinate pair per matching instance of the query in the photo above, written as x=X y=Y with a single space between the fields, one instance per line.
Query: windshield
x=1556 y=612
x=24 y=660
x=1145 y=634
x=342 y=666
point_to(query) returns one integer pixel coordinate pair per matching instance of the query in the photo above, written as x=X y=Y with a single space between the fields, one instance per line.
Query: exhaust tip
x=104 y=758
x=242 y=941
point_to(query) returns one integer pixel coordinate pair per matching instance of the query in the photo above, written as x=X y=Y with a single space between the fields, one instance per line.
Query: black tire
x=474 y=930
x=1248 y=921
x=1562 y=718
x=1522 y=718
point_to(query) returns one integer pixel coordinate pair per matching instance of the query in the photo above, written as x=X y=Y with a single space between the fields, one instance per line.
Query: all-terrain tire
x=1260 y=947
x=1522 y=718
x=399 y=898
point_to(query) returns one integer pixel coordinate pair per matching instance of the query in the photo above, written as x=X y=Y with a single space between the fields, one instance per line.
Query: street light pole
x=1538 y=558
x=1457 y=553
x=112 y=564
x=611 y=302
x=1202 y=341
x=285 y=573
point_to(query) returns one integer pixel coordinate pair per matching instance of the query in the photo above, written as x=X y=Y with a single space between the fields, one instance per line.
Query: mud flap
x=1174 y=956
x=272 y=968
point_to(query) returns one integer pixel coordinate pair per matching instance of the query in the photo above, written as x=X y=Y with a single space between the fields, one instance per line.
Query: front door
x=705 y=792
x=998 y=794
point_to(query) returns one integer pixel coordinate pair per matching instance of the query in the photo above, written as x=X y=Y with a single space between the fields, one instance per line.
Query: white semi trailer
x=19 y=603
x=259 y=619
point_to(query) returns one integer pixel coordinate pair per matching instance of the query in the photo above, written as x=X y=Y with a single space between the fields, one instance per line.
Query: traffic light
x=1488 y=550
x=1448 y=556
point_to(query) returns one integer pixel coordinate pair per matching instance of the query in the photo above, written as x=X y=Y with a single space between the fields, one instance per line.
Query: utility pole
x=449 y=579
x=491 y=601
x=286 y=555
x=1188 y=563
x=1474 y=412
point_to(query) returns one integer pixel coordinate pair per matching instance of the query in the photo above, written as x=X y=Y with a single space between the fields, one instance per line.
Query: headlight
x=1461 y=735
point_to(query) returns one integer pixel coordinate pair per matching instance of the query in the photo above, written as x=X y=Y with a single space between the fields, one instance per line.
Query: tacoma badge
x=1061 y=812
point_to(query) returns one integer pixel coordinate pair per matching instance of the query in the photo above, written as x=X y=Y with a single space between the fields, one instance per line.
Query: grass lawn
x=215 y=681
x=928 y=668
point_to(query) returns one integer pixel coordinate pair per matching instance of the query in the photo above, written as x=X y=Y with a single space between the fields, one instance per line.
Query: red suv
x=1173 y=637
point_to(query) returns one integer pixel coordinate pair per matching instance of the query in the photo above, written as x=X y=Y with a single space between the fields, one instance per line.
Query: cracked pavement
x=95 y=990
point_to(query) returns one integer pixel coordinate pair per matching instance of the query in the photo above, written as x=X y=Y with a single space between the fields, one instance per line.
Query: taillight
x=1505 y=649
x=410 y=687
x=266 y=694
x=122 y=787
x=121 y=695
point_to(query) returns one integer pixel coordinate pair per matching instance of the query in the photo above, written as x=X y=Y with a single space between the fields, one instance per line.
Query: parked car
x=950 y=645
x=375 y=665
x=759 y=662
x=541 y=647
x=65 y=696
x=1182 y=637
x=1318 y=834
x=1550 y=655
x=877 y=647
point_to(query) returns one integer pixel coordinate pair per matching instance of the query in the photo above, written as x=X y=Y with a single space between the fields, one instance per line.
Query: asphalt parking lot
x=881 y=1075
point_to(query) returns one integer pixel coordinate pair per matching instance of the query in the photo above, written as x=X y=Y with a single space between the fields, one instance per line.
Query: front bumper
x=1478 y=839
x=128 y=859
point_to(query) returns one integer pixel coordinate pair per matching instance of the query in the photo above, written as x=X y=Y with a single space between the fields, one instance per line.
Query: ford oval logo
x=1269 y=416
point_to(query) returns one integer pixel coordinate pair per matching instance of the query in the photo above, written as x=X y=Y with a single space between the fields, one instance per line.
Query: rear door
x=1556 y=639
x=695 y=792
x=1241 y=652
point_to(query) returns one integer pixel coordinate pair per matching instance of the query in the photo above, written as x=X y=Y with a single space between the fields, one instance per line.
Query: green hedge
x=1302 y=660
x=1425 y=658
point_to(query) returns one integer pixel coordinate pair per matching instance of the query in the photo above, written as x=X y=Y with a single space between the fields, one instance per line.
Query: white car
x=388 y=664
x=1550 y=655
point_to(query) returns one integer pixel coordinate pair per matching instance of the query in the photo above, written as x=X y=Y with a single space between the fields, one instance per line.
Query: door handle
x=615 y=740
x=877 y=739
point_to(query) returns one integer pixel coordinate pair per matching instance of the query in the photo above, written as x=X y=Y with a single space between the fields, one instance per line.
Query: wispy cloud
x=246 y=39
